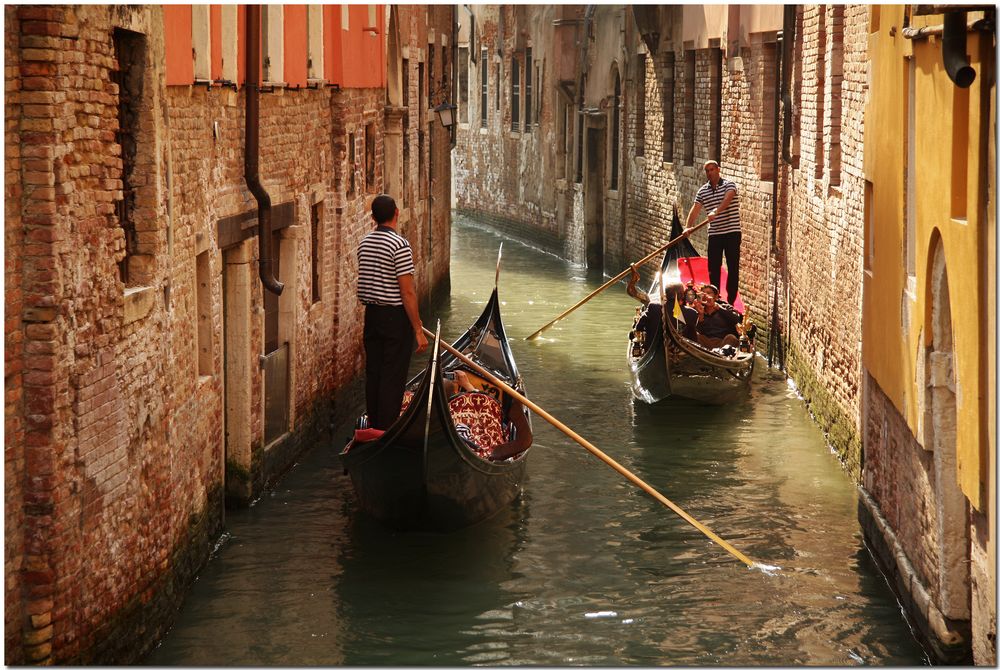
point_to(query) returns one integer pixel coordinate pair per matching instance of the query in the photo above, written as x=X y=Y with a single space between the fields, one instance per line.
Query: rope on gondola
x=604 y=457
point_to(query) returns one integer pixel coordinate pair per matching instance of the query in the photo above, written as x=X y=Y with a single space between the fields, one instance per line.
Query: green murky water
x=584 y=569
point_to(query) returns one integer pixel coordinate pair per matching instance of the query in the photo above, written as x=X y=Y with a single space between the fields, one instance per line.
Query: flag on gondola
x=678 y=312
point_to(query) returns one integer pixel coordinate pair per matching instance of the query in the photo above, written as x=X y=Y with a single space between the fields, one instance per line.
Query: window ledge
x=138 y=303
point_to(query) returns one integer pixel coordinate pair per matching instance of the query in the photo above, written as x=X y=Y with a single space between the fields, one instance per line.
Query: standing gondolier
x=719 y=197
x=392 y=319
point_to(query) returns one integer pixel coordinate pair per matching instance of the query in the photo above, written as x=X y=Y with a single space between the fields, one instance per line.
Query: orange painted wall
x=241 y=49
x=354 y=58
x=215 y=33
x=333 y=65
x=177 y=35
x=296 y=45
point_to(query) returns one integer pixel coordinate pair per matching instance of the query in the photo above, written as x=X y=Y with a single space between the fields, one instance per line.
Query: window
x=640 y=104
x=314 y=22
x=430 y=76
x=820 y=92
x=616 y=120
x=538 y=92
x=317 y=250
x=836 y=77
x=579 y=149
x=404 y=197
x=515 y=95
x=370 y=157
x=203 y=300
x=421 y=130
x=667 y=94
x=496 y=100
x=484 y=102
x=767 y=84
x=527 y=89
x=352 y=162
x=715 y=126
x=562 y=155
x=463 y=84
x=130 y=53
x=689 y=93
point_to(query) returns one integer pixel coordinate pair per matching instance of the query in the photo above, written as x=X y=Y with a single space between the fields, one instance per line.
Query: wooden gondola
x=663 y=362
x=421 y=474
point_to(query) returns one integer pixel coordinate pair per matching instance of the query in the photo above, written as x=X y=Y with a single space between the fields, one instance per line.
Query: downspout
x=251 y=154
x=956 y=60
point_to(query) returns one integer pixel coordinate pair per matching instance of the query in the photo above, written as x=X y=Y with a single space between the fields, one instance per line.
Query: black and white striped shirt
x=383 y=257
x=710 y=198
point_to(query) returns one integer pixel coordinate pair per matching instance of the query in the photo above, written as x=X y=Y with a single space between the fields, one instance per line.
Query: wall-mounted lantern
x=446 y=113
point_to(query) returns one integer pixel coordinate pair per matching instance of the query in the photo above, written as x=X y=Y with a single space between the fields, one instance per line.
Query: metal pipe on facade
x=953 y=52
x=787 y=45
x=252 y=151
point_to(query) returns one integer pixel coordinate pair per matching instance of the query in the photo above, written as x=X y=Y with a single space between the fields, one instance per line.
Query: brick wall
x=14 y=443
x=116 y=402
x=824 y=234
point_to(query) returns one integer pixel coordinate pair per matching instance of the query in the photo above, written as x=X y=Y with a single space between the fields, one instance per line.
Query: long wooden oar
x=597 y=452
x=645 y=259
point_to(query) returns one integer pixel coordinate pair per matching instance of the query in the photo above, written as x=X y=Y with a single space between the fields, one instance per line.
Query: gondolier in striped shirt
x=385 y=287
x=719 y=198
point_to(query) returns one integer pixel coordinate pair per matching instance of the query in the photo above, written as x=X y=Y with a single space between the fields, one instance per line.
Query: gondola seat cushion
x=481 y=413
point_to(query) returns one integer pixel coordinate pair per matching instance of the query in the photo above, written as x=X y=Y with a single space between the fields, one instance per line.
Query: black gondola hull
x=420 y=475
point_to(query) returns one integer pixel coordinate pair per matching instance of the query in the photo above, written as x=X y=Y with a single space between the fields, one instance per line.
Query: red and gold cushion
x=482 y=414
x=407 y=398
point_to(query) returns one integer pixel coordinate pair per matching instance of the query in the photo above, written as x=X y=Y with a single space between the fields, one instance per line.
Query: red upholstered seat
x=483 y=416
x=407 y=397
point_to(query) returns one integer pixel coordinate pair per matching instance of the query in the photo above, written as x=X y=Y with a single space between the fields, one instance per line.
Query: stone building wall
x=134 y=393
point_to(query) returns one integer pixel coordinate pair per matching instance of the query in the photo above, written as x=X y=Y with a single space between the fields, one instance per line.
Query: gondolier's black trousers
x=728 y=243
x=388 y=346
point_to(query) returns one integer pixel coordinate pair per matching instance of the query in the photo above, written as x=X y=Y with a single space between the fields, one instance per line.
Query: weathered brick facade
x=135 y=399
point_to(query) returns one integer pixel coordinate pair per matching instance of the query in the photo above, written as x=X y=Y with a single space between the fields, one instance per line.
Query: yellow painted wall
x=896 y=320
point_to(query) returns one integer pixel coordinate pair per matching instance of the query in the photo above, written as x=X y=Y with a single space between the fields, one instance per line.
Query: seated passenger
x=716 y=326
x=522 y=437
x=689 y=315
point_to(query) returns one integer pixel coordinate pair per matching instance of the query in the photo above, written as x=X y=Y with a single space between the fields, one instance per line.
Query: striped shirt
x=710 y=198
x=383 y=257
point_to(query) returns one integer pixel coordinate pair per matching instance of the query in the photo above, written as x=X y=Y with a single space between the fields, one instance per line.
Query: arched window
x=616 y=131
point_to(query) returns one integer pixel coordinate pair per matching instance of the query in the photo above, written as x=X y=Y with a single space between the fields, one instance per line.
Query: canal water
x=584 y=569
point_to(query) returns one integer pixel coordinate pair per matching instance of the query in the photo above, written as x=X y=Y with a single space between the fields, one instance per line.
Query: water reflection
x=584 y=569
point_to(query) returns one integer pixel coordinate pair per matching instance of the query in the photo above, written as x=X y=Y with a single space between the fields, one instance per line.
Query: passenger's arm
x=409 y=295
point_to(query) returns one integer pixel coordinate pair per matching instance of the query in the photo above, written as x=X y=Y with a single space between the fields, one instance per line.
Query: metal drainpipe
x=252 y=151
x=956 y=60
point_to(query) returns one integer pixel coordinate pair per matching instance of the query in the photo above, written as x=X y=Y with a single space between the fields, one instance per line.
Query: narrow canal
x=584 y=569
